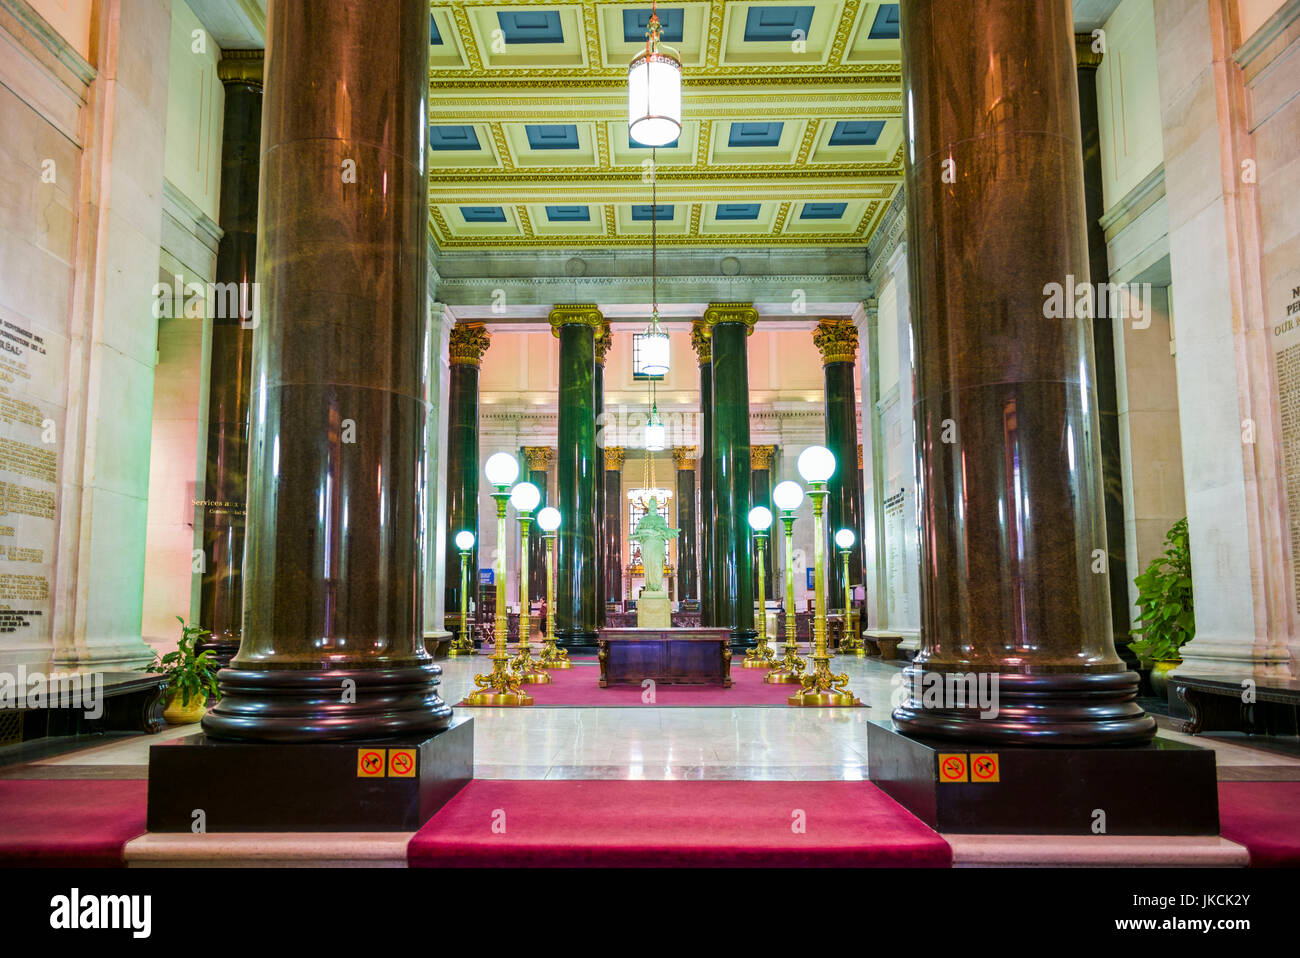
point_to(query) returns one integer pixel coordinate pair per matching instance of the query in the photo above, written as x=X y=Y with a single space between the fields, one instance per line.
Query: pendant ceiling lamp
x=654 y=90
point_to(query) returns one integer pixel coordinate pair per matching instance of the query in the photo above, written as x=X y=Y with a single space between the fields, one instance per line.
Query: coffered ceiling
x=791 y=124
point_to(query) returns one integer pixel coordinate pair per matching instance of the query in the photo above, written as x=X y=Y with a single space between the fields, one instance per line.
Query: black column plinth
x=380 y=785
x=1160 y=788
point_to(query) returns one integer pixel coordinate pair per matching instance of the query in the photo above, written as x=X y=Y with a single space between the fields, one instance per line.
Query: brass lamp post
x=852 y=642
x=552 y=657
x=821 y=687
x=500 y=686
x=525 y=497
x=760 y=656
x=787 y=497
x=464 y=643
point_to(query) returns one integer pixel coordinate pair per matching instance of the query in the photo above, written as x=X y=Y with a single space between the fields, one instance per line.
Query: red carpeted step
x=68 y=823
x=1265 y=817
x=667 y=824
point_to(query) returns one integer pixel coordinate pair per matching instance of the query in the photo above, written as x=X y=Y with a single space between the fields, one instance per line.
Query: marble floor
x=747 y=743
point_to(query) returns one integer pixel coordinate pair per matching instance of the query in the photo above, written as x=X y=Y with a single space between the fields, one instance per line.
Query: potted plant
x=191 y=677
x=1166 y=615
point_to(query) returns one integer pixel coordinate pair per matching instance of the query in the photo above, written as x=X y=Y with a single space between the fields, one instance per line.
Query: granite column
x=332 y=646
x=837 y=341
x=539 y=467
x=688 y=559
x=466 y=346
x=221 y=591
x=607 y=589
x=1006 y=405
x=705 y=517
x=612 y=522
x=577 y=472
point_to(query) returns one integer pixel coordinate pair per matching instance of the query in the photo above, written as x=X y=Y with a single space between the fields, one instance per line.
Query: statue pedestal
x=654 y=610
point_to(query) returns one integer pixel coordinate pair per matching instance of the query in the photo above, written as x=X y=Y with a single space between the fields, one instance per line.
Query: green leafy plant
x=189 y=673
x=1166 y=613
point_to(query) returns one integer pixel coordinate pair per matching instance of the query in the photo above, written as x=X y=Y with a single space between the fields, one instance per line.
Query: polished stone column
x=607 y=588
x=1103 y=341
x=611 y=522
x=688 y=559
x=539 y=465
x=1005 y=403
x=439 y=551
x=577 y=470
x=729 y=325
x=221 y=590
x=332 y=646
x=837 y=341
x=705 y=516
x=760 y=485
x=466 y=346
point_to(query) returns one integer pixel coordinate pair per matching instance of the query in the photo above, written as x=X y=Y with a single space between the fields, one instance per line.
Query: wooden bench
x=1233 y=703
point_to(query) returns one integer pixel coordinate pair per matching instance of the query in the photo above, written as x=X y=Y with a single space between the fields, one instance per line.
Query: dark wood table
x=667 y=656
x=1207 y=703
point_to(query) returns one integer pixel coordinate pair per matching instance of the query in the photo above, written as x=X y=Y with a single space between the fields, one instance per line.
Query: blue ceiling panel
x=435 y=38
x=552 y=136
x=483 y=214
x=568 y=214
x=736 y=211
x=636 y=22
x=755 y=134
x=530 y=26
x=822 y=211
x=765 y=24
x=443 y=138
x=856 y=132
x=885 y=26
x=663 y=212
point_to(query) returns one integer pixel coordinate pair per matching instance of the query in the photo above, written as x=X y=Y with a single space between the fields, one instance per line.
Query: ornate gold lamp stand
x=552 y=657
x=500 y=686
x=464 y=643
x=760 y=656
x=787 y=496
x=525 y=497
x=821 y=687
x=852 y=642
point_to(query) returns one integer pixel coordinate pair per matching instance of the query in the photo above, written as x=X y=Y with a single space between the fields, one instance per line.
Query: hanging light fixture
x=654 y=90
x=656 y=434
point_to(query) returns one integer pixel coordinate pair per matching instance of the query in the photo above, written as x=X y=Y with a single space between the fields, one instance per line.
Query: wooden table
x=667 y=656
x=1207 y=703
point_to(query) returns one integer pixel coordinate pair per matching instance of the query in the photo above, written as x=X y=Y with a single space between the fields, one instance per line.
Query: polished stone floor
x=650 y=742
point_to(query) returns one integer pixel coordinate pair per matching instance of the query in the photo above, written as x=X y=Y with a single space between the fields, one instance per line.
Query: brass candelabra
x=529 y=671
x=791 y=664
x=760 y=656
x=463 y=644
x=552 y=656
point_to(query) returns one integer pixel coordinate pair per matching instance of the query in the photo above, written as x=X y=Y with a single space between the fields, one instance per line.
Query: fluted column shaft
x=1005 y=403
x=221 y=590
x=332 y=594
x=729 y=326
x=577 y=471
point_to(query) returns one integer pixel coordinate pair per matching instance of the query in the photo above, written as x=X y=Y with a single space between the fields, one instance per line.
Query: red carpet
x=674 y=824
x=1265 y=817
x=579 y=687
x=69 y=823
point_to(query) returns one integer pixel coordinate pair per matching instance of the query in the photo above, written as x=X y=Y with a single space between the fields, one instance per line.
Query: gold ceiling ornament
x=241 y=66
x=614 y=456
x=700 y=342
x=1085 y=51
x=760 y=457
x=467 y=344
x=604 y=339
x=837 y=339
x=539 y=457
x=580 y=314
x=685 y=456
x=715 y=314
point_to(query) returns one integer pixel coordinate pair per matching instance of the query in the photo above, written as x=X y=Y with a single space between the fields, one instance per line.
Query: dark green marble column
x=577 y=469
x=603 y=591
x=729 y=325
x=688 y=557
x=539 y=466
x=705 y=517
x=760 y=484
x=466 y=346
x=333 y=645
x=221 y=590
x=837 y=340
x=611 y=522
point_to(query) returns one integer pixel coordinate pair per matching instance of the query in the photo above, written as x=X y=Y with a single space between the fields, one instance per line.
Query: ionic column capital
x=718 y=313
x=582 y=314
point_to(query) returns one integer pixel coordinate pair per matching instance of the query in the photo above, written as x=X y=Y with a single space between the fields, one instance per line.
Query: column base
x=223 y=648
x=1044 y=709
x=743 y=639
x=580 y=642
x=300 y=705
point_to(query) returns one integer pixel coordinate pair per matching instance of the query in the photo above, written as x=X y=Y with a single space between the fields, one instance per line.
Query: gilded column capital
x=685 y=456
x=467 y=344
x=1086 y=52
x=604 y=338
x=760 y=457
x=583 y=314
x=539 y=457
x=241 y=66
x=837 y=339
x=718 y=313
x=700 y=342
x=614 y=456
